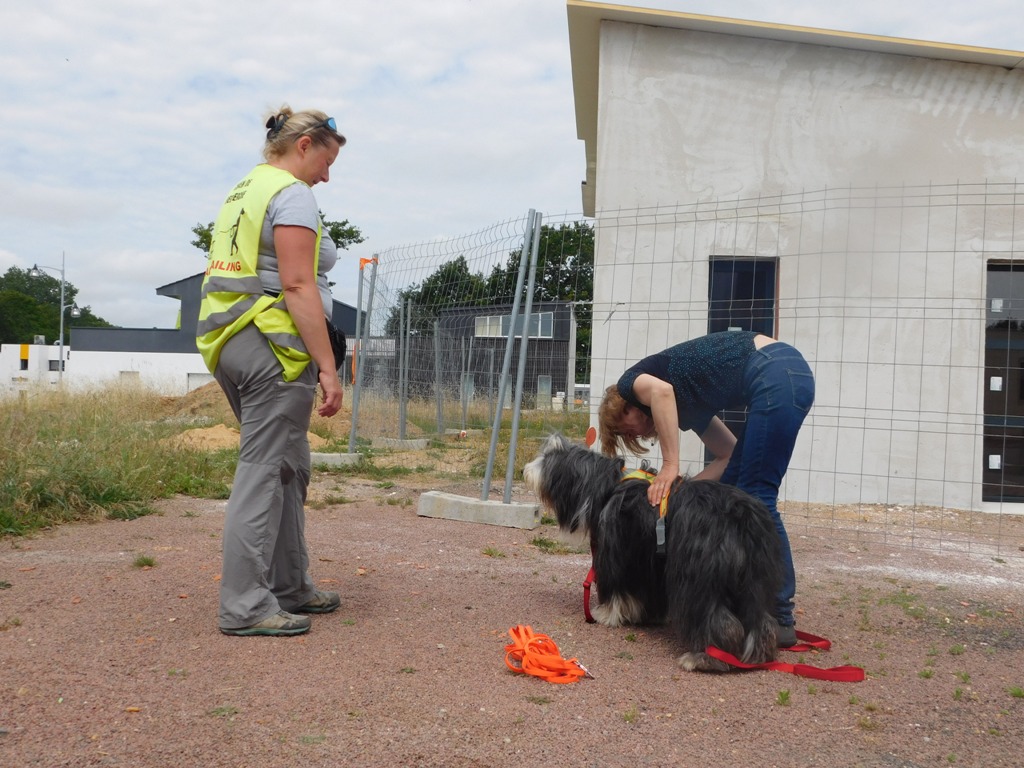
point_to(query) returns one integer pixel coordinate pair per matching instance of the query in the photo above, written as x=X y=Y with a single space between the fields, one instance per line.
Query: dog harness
x=659 y=528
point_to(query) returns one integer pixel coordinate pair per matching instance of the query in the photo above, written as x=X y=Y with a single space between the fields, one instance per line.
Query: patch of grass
x=493 y=552
x=368 y=468
x=144 y=561
x=631 y=637
x=964 y=677
x=867 y=724
x=957 y=650
x=9 y=623
x=631 y=715
x=1016 y=691
x=958 y=694
x=5 y=585
x=624 y=655
x=539 y=700
x=927 y=673
x=329 y=500
x=225 y=710
x=552 y=546
x=408 y=670
x=317 y=738
x=83 y=455
x=907 y=601
x=783 y=698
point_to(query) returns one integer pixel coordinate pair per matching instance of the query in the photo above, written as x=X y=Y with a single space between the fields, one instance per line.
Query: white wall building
x=868 y=185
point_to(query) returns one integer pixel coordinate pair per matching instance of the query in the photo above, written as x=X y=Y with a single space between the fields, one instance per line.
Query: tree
x=452 y=285
x=30 y=307
x=565 y=272
x=341 y=232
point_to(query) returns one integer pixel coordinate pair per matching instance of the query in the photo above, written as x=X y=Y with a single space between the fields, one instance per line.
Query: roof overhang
x=585 y=39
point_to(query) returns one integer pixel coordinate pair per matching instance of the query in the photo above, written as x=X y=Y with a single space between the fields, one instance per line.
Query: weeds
x=144 y=561
x=553 y=547
x=71 y=456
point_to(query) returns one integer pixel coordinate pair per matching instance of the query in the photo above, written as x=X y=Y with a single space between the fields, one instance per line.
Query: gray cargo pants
x=265 y=559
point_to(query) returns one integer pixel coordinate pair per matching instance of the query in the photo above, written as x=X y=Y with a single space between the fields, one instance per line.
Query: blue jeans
x=779 y=389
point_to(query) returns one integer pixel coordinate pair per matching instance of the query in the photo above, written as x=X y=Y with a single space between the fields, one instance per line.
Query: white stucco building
x=854 y=195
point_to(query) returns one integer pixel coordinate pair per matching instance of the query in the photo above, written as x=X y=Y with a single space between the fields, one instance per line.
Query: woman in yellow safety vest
x=263 y=335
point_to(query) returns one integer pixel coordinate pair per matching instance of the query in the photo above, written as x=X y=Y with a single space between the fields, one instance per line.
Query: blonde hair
x=285 y=127
x=609 y=418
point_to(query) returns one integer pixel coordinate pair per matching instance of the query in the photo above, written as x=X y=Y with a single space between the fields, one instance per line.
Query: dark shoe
x=322 y=602
x=281 y=624
x=785 y=635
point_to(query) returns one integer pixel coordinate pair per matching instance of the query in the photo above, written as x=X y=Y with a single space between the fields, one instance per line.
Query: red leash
x=835 y=674
x=586 y=594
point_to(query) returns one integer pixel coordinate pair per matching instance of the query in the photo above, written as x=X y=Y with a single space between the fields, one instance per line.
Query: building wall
x=754 y=141
x=165 y=372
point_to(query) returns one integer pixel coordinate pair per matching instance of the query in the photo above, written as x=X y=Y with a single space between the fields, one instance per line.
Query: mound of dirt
x=207 y=404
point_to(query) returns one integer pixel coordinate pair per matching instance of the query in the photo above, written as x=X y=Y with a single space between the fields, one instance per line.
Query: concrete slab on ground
x=334 y=459
x=452 y=507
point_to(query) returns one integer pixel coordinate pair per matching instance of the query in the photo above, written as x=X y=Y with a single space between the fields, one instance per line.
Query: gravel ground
x=105 y=663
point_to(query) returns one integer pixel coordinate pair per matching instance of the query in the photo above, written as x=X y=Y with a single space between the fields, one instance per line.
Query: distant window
x=24 y=364
x=54 y=365
x=542 y=325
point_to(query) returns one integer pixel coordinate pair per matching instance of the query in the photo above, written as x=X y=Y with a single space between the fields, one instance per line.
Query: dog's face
x=533 y=472
x=572 y=481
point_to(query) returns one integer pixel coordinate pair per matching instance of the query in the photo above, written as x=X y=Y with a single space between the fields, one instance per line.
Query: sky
x=127 y=121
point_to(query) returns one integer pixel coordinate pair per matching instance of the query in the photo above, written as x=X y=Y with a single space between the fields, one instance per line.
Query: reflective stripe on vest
x=232 y=293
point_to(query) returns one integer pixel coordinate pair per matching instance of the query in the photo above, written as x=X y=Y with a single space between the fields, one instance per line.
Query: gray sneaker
x=281 y=624
x=785 y=635
x=322 y=602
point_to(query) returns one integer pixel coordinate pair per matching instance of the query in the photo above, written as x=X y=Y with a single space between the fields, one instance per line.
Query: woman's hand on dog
x=662 y=482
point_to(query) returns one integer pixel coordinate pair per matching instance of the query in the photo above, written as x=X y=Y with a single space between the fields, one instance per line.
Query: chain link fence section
x=440 y=317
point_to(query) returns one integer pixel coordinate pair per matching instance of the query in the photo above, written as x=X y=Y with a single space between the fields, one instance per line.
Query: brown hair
x=284 y=128
x=609 y=419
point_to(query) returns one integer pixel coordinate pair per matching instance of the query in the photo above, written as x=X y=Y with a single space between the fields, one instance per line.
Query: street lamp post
x=75 y=311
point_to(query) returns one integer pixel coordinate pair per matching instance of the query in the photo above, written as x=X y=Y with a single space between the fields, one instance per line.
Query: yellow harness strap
x=643 y=474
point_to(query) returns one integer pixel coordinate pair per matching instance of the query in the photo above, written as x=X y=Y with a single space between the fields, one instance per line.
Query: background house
x=853 y=195
x=164 y=359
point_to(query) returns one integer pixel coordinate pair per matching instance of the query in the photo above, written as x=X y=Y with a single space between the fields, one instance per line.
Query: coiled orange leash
x=535 y=654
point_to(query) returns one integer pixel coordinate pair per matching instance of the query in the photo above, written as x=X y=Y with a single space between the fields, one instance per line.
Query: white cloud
x=126 y=121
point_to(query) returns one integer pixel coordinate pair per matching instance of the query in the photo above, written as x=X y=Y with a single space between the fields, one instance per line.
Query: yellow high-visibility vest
x=232 y=295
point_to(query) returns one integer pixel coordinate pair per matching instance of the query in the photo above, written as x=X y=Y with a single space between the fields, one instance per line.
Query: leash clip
x=586 y=672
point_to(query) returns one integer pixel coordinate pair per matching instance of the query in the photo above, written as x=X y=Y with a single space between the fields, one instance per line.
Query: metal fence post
x=507 y=362
x=521 y=376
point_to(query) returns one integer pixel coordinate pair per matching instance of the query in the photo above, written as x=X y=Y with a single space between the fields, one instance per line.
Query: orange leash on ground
x=534 y=654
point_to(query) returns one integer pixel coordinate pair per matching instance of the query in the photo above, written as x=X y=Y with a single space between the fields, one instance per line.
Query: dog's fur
x=716 y=583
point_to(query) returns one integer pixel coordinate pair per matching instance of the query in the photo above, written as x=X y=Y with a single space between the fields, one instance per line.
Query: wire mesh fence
x=907 y=303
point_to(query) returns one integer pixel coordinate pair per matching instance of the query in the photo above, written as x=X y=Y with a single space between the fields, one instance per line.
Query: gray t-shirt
x=295 y=206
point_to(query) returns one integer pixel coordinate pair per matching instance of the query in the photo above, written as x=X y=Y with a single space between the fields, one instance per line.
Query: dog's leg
x=618 y=610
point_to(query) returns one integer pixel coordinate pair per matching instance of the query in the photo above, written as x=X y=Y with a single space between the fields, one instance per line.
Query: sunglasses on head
x=328 y=123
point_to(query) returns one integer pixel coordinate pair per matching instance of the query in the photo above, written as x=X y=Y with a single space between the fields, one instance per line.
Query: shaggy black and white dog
x=717 y=580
